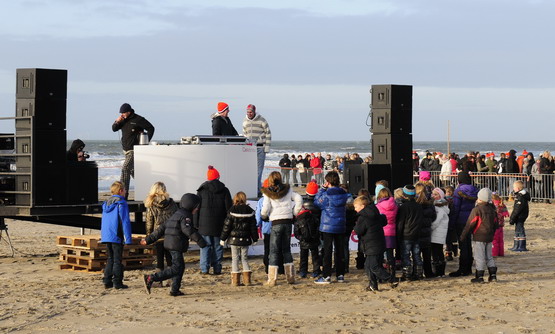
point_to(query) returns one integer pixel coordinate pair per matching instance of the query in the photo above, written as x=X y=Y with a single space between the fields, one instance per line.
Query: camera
x=82 y=156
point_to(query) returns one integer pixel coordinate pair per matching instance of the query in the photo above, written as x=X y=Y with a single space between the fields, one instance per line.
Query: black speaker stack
x=43 y=176
x=391 y=127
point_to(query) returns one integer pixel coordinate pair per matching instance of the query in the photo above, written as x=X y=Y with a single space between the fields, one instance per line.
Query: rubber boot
x=407 y=274
x=515 y=245
x=492 y=274
x=289 y=272
x=272 y=275
x=235 y=279
x=521 y=245
x=479 y=277
x=419 y=272
x=247 y=275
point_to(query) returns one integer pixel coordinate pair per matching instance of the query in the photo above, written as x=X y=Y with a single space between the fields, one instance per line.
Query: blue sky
x=486 y=66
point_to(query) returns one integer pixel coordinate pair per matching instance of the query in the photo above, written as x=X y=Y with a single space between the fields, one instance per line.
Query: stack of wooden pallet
x=87 y=253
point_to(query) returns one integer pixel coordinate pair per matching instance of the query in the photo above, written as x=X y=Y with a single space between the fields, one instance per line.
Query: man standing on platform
x=258 y=131
x=132 y=126
x=221 y=124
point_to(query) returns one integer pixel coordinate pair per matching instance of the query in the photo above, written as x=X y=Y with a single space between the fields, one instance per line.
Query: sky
x=485 y=66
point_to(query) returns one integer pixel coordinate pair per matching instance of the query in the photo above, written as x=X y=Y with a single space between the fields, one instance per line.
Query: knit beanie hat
x=126 y=107
x=440 y=192
x=251 y=107
x=464 y=178
x=484 y=195
x=266 y=183
x=409 y=190
x=222 y=107
x=312 y=188
x=425 y=176
x=212 y=173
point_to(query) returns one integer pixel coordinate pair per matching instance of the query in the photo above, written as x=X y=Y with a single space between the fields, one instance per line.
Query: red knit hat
x=222 y=107
x=212 y=173
x=251 y=107
x=312 y=188
x=266 y=183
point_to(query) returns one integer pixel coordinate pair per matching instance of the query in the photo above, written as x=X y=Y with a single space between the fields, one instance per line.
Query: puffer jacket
x=389 y=208
x=214 y=206
x=158 y=213
x=409 y=220
x=277 y=203
x=464 y=200
x=369 y=228
x=264 y=224
x=115 y=225
x=441 y=223
x=521 y=207
x=332 y=203
x=482 y=223
x=429 y=215
x=306 y=229
x=179 y=228
x=240 y=226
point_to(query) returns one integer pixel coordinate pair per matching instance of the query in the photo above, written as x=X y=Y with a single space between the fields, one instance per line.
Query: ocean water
x=109 y=155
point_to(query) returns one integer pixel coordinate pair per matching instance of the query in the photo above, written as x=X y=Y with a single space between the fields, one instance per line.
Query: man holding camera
x=132 y=126
x=76 y=153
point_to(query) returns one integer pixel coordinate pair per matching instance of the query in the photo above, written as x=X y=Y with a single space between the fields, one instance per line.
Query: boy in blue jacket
x=115 y=230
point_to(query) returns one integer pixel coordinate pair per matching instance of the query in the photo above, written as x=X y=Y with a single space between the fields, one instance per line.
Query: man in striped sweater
x=256 y=128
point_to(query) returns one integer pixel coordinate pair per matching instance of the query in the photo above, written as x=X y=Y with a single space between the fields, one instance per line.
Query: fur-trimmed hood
x=276 y=192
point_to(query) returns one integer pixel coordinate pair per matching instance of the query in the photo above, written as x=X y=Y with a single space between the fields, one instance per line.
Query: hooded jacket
x=179 y=227
x=389 y=208
x=521 y=207
x=511 y=166
x=464 y=200
x=409 y=220
x=264 y=224
x=158 y=213
x=221 y=126
x=277 y=203
x=215 y=203
x=72 y=152
x=332 y=203
x=131 y=128
x=369 y=228
x=258 y=131
x=115 y=226
x=441 y=223
x=481 y=223
x=240 y=226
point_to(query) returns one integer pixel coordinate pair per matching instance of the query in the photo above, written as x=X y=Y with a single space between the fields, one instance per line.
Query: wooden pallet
x=89 y=241
x=99 y=264
x=128 y=251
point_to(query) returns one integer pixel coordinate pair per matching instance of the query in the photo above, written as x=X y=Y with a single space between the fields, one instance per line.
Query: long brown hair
x=240 y=198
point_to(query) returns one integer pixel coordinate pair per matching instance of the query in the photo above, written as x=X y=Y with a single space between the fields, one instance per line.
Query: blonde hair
x=420 y=193
x=157 y=194
x=519 y=184
x=116 y=188
x=398 y=193
x=383 y=193
x=240 y=198
x=362 y=200
x=274 y=178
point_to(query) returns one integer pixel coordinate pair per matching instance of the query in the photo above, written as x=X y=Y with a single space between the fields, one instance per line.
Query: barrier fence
x=540 y=186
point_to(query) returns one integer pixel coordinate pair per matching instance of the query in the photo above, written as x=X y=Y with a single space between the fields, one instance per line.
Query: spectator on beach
x=115 y=231
x=132 y=126
x=265 y=227
x=285 y=167
x=176 y=231
x=278 y=207
x=519 y=215
x=537 y=180
x=307 y=160
x=303 y=172
x=159 y=208
x=408 y=223
x=350 y=221
x=316 y=165
x=256 y=128
x=221 y=123
x=498 y=244
x=240 y=232
x=387 y=207
x=329 y=164
x=423 y=197
x=331 y=199
x=468 y=163
x=446 y=170
x=306 y=230
x=451 y=244
x=439 y=231
x=415 y=162
x=546 y=169
x=428 y=163
x=294 y=180
x=215 y=203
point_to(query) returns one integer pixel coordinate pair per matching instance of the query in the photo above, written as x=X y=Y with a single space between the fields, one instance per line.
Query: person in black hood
x=519 y=215
x=176 y=232
x=215 y=203
x=132 y=126
x=75 y=152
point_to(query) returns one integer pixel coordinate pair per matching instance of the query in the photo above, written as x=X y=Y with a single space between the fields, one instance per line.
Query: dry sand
x=36 y=297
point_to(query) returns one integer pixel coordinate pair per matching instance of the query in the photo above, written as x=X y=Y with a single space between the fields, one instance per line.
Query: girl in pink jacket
x=387 y=206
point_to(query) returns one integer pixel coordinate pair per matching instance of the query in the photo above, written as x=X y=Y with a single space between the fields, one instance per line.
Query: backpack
x=305 y=227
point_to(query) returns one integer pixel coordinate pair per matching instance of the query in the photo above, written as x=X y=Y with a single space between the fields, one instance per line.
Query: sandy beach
x=37 y=297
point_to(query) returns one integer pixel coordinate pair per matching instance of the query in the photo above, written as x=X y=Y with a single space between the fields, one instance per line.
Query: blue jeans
x=260 y=159
x=411 y=247
x=211 y=255
x=113 y=273
x=280 y=240
x=175 y=272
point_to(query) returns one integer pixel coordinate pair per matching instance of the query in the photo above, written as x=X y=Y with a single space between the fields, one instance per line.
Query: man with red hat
x=221 y=124
x=256 y=128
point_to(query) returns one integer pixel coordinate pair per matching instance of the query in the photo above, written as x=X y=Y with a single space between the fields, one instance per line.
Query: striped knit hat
x=251 y=107
x=409 y=190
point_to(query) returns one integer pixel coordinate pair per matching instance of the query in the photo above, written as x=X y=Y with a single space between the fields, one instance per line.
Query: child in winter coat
x=387 y=206
x=424 y=198
x=369 y=228
x=409 y=222
x=265 y=228
x=176 y=232
x=439 y=231
x=115 y=230
x=306 y=230
x=451 y=242
x=482 y=223
x=240 y=231
x=498 y=243
x=519 y=215
x=361 y=258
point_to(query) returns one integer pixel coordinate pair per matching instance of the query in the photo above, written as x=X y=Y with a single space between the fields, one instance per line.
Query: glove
x=222 y=243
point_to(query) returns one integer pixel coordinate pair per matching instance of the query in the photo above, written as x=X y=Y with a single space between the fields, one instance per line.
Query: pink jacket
x=388 y=207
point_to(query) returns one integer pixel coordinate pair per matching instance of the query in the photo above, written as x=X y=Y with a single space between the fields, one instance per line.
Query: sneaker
x=175 y=294
x=340 y=279
x=108 y=286
x=148 y=283
x=119 y=287
x=323 y=280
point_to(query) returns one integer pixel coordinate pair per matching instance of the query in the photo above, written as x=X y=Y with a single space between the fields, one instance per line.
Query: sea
x=108 y=154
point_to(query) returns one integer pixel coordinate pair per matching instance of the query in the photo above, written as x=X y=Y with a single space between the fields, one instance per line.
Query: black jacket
x=409 y=220
x=307 y=224
x=221 y=126
x=351 y=218
x=214 y=206
x=511 y=166
x=240 y=226
x=429 y=215
x=369 y=228
x=520 y=208
x=285 y=163
x=72 y=152
x=131 y=129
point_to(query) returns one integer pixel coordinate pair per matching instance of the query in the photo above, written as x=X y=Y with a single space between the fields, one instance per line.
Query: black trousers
x=113 y=273
x=162 y=253
x=375 y=270
x=175 y=271
x=465 y=247
x=316 y=260
x=332 y=240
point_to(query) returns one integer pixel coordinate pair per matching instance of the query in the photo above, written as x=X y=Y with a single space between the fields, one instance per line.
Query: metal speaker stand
x=4 y=228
